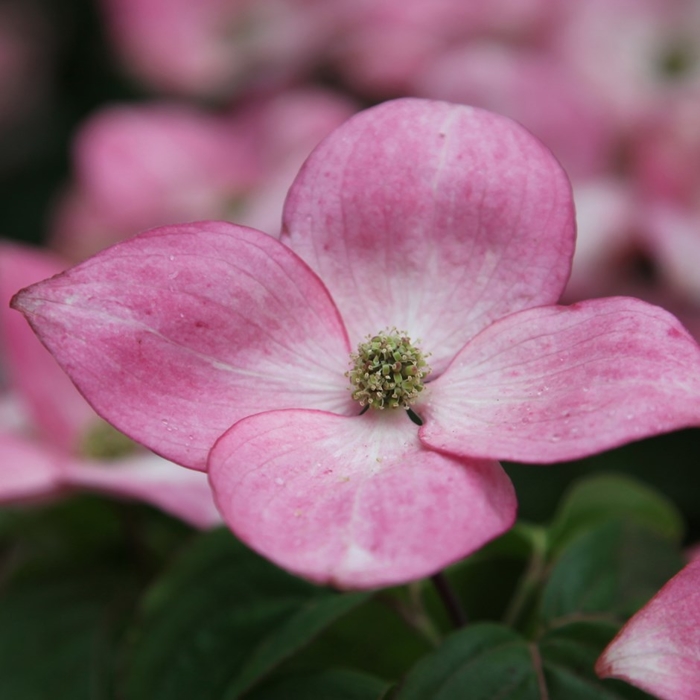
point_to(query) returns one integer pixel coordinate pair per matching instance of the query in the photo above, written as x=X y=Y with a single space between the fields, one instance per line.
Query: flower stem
x=449 y=599
x=413 y=612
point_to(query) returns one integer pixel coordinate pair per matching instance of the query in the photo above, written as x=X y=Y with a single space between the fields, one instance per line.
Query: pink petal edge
x=559 y=383
x=658 y=650
x=58 y=411
x=354 y=502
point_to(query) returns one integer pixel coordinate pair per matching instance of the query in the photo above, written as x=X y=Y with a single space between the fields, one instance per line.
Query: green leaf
x=596 y=499
x=58 y=637
x=69 y=581
x=311 y=618
x=485 y=582
x=482 y=662
x=612 y=569
x=488 y=661
x=335 y=684
x=220 y=619
x=82 y=530
x=374 y=638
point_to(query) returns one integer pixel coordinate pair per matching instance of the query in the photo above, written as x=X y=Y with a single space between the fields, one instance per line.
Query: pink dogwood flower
x=51 y=441
x=217 y=48
x=658 y=650
x=418 y=236
x=137 y=166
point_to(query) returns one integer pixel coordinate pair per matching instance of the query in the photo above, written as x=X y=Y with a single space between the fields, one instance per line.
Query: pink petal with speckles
x=658 y=650
x=434 y=218
x=558 y=383
x=178 y=333
x=355 y=502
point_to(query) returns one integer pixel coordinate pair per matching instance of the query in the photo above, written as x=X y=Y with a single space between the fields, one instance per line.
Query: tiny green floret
x=388 y=371
x=104 y=443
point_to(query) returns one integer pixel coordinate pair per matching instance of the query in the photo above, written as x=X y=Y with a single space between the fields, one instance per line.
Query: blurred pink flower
x=667 y=151
x=217 y=48
x=527 y=85
x=221 y=348
x=383 y=44
x=639 y=232
x=140 y=166
x=45 y=423
x=658 y=650
x=634 y=54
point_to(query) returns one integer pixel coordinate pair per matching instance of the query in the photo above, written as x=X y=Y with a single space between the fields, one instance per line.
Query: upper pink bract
x=658 y=650
x=221 y=348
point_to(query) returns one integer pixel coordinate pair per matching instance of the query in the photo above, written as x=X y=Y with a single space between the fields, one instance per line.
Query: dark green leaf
x=374 y=638
x=310 y=619
x=485 y=582
x=612 y=569
x=68 y=584
x=220 y=612
x=333 y=684
x=599 y=498
x=57 y=636
x=490 y=662
x=482 y=662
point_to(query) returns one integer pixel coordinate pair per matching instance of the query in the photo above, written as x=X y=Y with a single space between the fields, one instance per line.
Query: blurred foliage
x=105 y=600
x=668 y=463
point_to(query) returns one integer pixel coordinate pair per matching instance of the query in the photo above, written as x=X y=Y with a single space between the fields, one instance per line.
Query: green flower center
x=388 y=371
x=105 y=443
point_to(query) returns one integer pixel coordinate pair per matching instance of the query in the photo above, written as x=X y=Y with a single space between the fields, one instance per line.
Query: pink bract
x=658 y=650
x=221 y=348
x=43 y=428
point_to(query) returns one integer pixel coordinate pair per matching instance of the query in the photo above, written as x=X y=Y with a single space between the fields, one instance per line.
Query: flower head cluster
x=388 y=371
x=226 y=350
